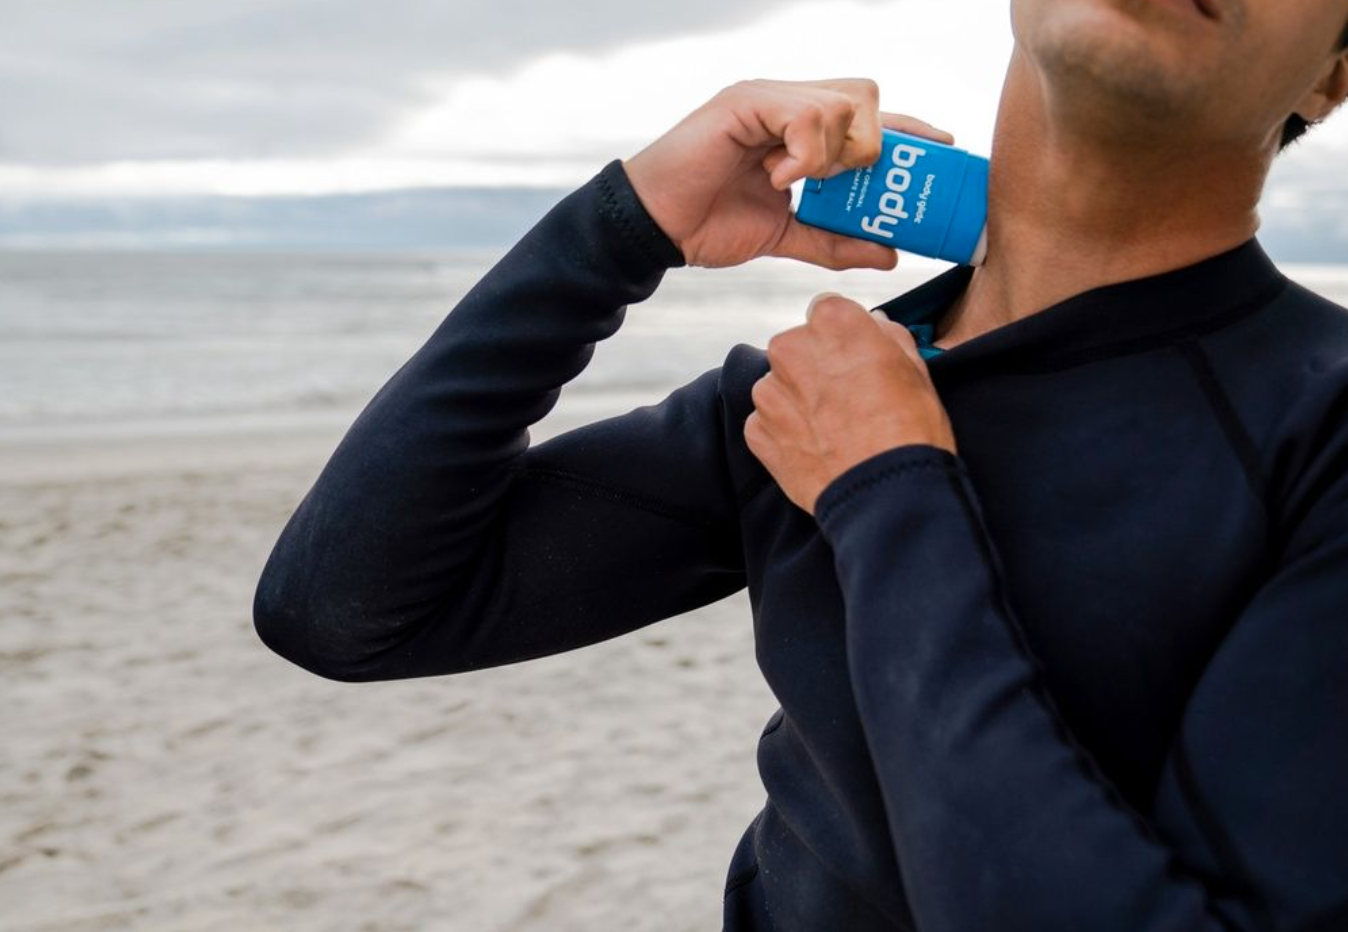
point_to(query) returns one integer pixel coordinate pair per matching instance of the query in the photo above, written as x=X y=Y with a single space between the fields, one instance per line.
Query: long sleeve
x=999 y=818
x=437 y=540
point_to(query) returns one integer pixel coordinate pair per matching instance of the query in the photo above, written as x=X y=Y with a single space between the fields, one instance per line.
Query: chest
x=1128 y=537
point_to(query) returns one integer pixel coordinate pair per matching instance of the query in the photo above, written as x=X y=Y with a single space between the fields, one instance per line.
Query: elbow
x=290 y=625
x=332 y=620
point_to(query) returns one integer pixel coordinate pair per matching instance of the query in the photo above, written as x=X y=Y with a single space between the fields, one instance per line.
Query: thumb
x=900 y=335
x=831 y=250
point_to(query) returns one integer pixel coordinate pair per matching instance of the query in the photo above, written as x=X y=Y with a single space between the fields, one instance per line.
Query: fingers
x=863 y=145
x=816 y=128
x=770 y=394
x=861 y=140
x=900 y=335
x=815 y=138
x=809 y=138
x=821 y=247
x=833 y=318
x=774 y=158
x=864 y=141
x=817 y=299
x=909 y=124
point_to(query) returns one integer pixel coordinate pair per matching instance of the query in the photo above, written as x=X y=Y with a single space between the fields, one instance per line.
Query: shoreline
x=88 y=452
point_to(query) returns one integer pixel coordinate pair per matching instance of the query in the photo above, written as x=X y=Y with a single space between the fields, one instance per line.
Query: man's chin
x=1120 y=75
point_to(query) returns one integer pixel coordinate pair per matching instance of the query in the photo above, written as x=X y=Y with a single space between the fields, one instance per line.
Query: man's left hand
x=843 y=386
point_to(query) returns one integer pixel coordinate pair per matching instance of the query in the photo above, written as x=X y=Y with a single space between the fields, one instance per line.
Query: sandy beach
x=163 y=415
x=165 y=771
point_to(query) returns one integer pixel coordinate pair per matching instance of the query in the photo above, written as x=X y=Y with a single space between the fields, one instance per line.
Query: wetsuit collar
x=1109 y=320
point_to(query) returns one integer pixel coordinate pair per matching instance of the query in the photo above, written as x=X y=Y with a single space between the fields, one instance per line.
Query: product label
x=893 y=205
x=907 y=199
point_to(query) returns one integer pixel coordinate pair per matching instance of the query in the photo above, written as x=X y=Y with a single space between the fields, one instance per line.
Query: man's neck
x=1068 y=213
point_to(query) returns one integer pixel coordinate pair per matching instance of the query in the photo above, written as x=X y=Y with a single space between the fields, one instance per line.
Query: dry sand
x=164 y=771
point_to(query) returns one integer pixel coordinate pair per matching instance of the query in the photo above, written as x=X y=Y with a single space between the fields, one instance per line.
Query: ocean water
x=125 y=343
x=132 y=342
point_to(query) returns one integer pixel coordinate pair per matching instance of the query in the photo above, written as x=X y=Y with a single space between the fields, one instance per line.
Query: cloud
x=88 y=81
x=555 y=118
x=271 y=98
x=1304 y=210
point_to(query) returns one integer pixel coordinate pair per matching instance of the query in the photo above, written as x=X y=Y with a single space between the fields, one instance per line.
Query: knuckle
x=779 y=348
x=863 y=153
x=900 y=332
x=758 y=390
x=753 y=427
x=832 y=311
x=844 y=103
x=739 y=88
x=870 y=149
x=811 y=112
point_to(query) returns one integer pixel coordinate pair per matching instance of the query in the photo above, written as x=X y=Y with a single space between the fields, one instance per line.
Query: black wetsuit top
x=1091 y=674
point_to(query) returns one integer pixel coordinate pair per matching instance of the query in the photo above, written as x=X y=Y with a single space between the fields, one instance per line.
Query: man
x=1083 y=669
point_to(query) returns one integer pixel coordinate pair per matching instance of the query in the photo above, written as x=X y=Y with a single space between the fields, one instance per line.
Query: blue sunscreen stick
x=922 y=197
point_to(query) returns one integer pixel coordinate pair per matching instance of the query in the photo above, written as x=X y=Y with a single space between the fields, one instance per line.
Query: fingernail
x=816 y=299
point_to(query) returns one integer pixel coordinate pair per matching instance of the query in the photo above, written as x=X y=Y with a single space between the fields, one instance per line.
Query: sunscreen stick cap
x=969 y=219
x=981 y=250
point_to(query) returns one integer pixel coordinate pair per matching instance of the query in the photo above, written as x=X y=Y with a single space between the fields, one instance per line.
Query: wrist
x=632 y=211
x=878 y=469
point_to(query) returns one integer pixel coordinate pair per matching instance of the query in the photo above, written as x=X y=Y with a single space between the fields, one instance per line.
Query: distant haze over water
x=128 y=342
x=421 y=219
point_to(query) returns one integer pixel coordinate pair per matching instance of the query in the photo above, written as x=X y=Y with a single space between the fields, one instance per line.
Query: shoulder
x=1284 y=370
x=1322 y=316
x=1296 y=326
x=1277 y=357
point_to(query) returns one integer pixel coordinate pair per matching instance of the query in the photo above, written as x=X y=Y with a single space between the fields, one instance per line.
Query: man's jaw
x=1208 y=9
x=1212 y=9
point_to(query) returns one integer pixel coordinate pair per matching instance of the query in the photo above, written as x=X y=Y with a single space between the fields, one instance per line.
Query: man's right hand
x=719 y=183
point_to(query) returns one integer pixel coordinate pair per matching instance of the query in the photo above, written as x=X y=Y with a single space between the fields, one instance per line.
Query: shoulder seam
x=1228 y=419
x=1215 y=835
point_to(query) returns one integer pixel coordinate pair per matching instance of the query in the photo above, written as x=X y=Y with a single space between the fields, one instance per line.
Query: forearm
x=403 y=507
x=999 y=819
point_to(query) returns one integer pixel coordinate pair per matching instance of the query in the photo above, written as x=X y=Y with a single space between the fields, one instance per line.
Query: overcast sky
x=155 y=97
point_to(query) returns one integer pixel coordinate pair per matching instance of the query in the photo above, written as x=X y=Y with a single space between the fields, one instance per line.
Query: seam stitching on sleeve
x=655 y=506
x=609 y=199
x=1215 y=835
x=859 y=485
x=1083 y=758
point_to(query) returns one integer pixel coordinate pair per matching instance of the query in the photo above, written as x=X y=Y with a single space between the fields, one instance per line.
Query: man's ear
x=1330 y=91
